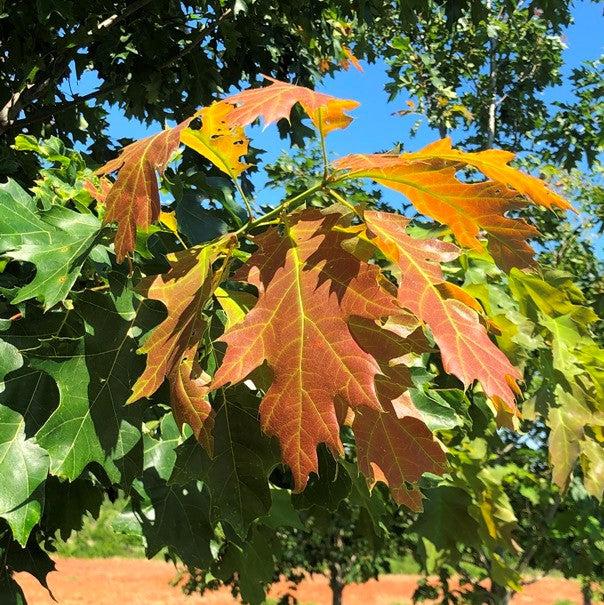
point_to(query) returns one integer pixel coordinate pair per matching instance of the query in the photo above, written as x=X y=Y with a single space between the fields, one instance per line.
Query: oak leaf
x=133 y=200
x=467 y=352
x=274 y=102
x=351 y=60
x=309 y=287
x=394 y=445
x=171 y=347
x=217 y=141
x=428 y=179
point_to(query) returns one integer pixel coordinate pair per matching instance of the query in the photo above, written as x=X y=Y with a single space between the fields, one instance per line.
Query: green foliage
x=101 y=537
x=504 y=61
x=159 y=61
x=24 y=467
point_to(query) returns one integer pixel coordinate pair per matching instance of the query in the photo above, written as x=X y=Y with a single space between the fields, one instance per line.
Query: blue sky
x=374 y=127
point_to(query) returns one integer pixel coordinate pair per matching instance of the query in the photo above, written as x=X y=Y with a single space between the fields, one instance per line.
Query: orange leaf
x=493 y=163
x=352 y=59
x=309 y=287
x=133 y=200
x=393 y=445
x=189 y=399
x=428 y=179
x=467 y=352
x=274 y=102
x=100 y=195
x=171 y=347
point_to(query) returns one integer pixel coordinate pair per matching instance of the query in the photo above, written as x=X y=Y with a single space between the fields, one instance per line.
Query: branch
x=291 y=202
x=107 y=88
x=527 y=74
x=52 y=111
x=196 y=40
x=548 y=517
x=71 y=45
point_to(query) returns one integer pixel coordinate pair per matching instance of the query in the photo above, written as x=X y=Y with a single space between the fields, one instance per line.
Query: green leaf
x=18 y=217
x=10 y=360
x=160 y=454
x=445 y=520
x=567 y=424
x=253 y=562
x=370 y=500
x=94 y=375
x=57 y=241
x=554 y=297
x=30 y=559
x=435 y=409
x=10 y=592
x=68 y=503
x=327 y=488
x=199 y=224
x=23 y=468
x=33 y=394
x=282 y=513
x=177 y=518
x=237 y=475
x=592 y=462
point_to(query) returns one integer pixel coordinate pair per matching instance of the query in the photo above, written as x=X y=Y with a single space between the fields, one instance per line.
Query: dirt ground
x=139 y=582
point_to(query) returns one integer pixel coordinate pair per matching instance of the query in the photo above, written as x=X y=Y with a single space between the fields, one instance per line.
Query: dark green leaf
x=23 y=468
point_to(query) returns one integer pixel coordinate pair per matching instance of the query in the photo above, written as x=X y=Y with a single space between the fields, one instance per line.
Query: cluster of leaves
x=502 y=62
x=216 y=379
x=159 y=61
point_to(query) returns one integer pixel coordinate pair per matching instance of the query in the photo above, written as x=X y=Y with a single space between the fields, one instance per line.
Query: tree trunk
x=500 y=595
x=492 y=116
x=336 y=584
x=586 y=591
x=336 y=571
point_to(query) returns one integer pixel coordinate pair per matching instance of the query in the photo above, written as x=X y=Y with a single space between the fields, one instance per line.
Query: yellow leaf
x=168 y=219
x=235 y=304
x=217 y=140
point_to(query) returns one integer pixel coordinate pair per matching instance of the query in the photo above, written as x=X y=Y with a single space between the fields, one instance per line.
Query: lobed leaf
x=394 y=445
x=56 y=241
x=274 y=102
x=217 y=141
x=428 y=179
x=23 y=468
x=467 y=352
x=309 y=287
x=93 y=373
x=171 y=347
x=133 y=200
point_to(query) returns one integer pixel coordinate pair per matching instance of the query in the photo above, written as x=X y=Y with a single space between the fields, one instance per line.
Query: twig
x=71 y=44
x=44 y=114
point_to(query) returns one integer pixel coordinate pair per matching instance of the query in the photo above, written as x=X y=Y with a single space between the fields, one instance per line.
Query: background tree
x=158 y=60
x=488 y=93
x=485 y=76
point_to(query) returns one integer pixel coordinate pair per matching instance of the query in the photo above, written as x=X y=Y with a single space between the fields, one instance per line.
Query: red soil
x=138 y=582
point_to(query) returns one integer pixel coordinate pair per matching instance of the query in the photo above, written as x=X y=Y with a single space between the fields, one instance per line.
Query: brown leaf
x=274 y=102
x=467 y=352
x=171 y=347
x=133 y=200
x=394 y=445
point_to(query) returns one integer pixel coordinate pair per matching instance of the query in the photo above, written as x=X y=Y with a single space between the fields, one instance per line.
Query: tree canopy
x=238 y=372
